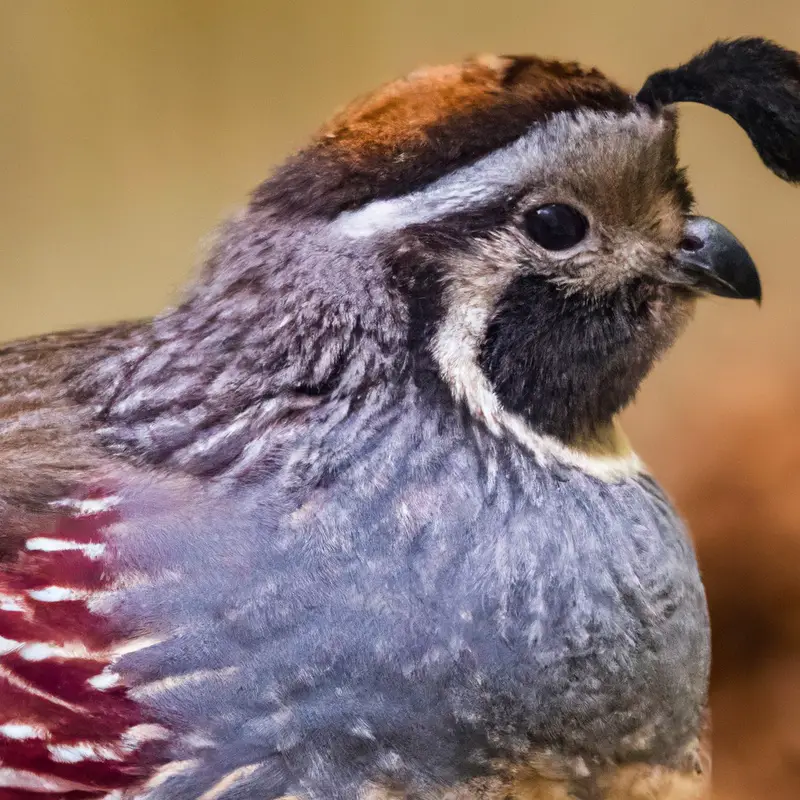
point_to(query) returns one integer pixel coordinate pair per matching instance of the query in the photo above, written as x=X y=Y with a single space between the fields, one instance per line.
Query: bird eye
x=556 y=226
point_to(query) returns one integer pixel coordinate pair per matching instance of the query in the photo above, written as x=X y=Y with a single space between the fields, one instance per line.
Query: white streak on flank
x=12 y=603
x=134 y=645
x=117 y=794
x=198 y=741
x=132 y=738
x=55 y=594
x=82 y=751
x=19 y=683
x=11 y=778
x=22 y=730
x=362 y=729
x=170 y=770
x=92 y=550
x=102 y=602
x=8 y=645
x=146 y=690
x=39 y=651
x=104 y=680
x=231 y=779
x=85 y=508
x=501 y=172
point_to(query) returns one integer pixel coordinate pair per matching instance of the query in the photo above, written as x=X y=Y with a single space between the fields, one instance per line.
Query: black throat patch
x=569 y=361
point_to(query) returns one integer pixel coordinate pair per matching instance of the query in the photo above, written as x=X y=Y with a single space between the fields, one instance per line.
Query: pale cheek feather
x=470 y=298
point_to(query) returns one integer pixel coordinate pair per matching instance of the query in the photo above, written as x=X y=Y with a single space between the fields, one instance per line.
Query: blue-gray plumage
x=440 y=603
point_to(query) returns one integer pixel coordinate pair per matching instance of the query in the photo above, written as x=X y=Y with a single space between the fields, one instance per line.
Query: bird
x=355 y=518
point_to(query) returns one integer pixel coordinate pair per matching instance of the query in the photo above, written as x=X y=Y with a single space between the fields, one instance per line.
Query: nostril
x=691 y=244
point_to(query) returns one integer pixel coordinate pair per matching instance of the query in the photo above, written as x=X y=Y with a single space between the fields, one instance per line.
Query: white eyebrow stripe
x=497 y=174
x=463 y=189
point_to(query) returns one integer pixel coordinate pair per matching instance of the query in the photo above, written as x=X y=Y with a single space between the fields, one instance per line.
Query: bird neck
x=605 y=441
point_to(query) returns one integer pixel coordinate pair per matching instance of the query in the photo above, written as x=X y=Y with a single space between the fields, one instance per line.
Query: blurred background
x=129 y=129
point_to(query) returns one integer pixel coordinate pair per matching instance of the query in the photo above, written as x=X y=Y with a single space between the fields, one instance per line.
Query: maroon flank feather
x=67 y=729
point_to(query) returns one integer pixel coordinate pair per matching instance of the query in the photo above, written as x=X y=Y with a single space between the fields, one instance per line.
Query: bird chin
x=672 y=309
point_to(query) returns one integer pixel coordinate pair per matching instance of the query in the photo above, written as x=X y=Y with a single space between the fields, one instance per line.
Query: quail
x=355 y=519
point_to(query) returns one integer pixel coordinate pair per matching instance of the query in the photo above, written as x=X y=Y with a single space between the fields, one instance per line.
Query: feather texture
x=67 y=728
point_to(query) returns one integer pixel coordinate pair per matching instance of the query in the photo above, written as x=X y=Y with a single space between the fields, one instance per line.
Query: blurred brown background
x=128 y=128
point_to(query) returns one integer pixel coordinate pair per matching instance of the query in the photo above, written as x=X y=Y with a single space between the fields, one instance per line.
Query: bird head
x=519 y=230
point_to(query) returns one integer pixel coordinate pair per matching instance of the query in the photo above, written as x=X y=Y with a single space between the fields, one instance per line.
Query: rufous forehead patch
x=405 y=110
x=413 y=130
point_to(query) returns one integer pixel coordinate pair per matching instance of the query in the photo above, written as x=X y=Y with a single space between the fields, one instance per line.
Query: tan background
x=128 y=128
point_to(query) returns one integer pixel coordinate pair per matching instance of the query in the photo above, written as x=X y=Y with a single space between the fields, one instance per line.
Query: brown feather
x=45 y=436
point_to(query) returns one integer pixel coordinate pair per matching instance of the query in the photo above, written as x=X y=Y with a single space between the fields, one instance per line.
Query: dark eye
x=556 y=226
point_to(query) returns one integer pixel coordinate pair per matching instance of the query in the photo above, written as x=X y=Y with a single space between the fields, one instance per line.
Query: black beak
x=711 y=259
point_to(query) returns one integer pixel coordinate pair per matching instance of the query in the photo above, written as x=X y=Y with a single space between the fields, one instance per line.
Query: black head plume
x=753 y=80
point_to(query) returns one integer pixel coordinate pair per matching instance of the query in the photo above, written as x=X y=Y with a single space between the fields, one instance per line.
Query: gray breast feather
x=435 y=605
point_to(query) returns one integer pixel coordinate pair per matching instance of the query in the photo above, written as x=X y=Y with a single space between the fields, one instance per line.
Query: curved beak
x=711 y=259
